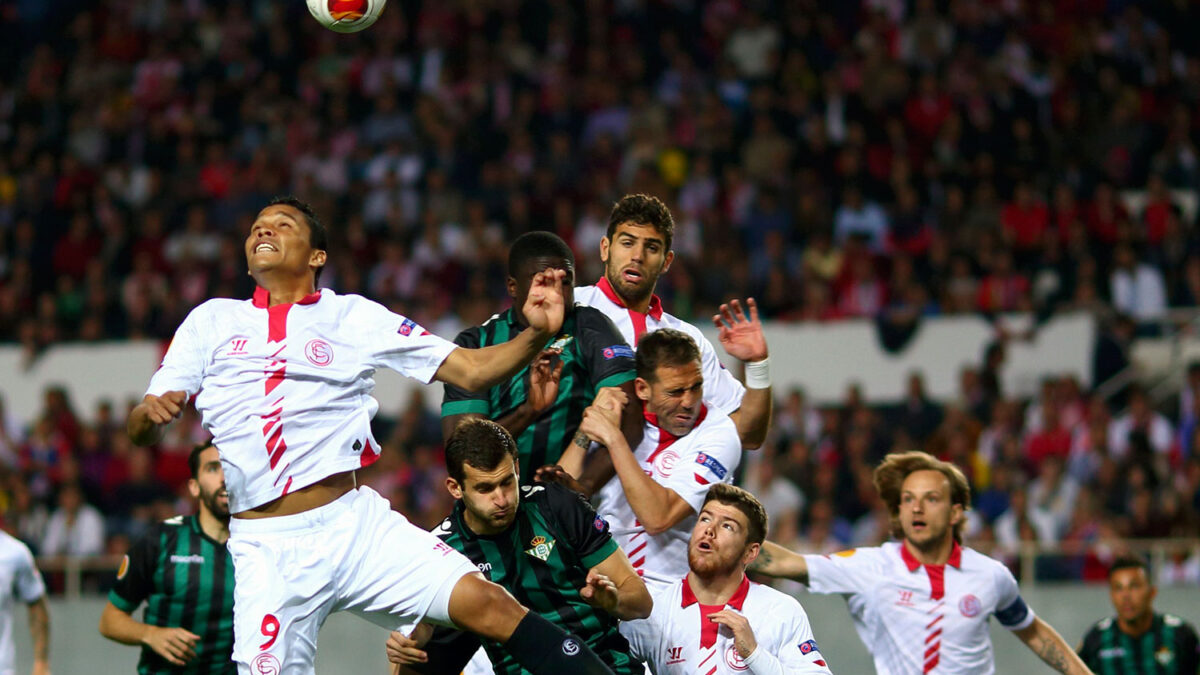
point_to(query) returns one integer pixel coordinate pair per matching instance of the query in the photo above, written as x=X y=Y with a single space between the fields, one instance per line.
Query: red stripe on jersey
x=368 y=456
x=710 y=655
x=932 y=623
x=700 y=479
x=639 y=325
x=638 y=563
x=277 y=452
x=277 y=322
x=708 y=627
x=932 y=649
x=275 y=378
x=640 y=547
x=933 y=636
x=932 y=663
x=666 y=438
x=714 y=669
x=286 y=486
x=937 y=581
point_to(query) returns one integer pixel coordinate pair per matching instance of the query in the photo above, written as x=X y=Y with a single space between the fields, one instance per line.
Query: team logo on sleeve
x=969 y=605
x=810 y=647
x=540 y=547
x=617 y=351
x=407 y=327
x=599 y=523
x=709 y=462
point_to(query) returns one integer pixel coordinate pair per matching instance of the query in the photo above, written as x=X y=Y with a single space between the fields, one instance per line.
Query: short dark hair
x=481 y=443
x=318 y=236
x=194 y=458
x=537 y=244
x=748 y=504
x=1129 y=562
x=664 y=347
x=643 y=210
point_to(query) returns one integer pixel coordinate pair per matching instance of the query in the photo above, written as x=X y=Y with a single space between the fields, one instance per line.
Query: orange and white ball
x=345 y=16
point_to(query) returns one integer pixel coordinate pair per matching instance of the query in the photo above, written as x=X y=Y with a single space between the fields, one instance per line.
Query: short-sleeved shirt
x=19 y=581
x=286 y=390
x=687 y=465
x=721 y=389
x=593 y=354
x=185 y=578
x=1170 y=647
x=543 y=559
x=678 y=638
x=914 y=617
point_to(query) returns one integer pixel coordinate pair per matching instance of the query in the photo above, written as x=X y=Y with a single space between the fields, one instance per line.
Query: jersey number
x=270 y=628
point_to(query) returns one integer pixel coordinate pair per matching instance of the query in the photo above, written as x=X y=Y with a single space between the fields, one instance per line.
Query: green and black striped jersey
x=186 y=580
x=594 y=355
x=543 y=560
x=1170 y=647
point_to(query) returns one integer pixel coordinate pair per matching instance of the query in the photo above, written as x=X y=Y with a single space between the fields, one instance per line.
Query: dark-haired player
x=182 y=570
x=283 y=381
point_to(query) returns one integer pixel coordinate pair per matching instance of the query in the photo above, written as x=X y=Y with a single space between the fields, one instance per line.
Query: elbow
x=641 y=607
x=656 y=526
x=752 y=442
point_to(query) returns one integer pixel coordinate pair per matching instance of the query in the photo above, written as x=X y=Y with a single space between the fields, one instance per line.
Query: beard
x=213 y=504
x=708 y=566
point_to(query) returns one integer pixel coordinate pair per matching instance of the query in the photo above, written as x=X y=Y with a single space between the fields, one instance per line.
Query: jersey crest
x=540 y=548
x=561 y=343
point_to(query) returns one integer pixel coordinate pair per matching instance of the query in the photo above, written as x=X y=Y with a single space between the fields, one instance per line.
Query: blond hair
x=890 y=475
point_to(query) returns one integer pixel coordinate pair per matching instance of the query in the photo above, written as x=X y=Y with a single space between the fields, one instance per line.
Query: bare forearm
x=39 y=628
x=776 y=561
x=517 y=421
x=753 y=418
x=121 y=627
x=141 y=430
x=479 y=369
x=651 y=502
x=634 y=600
x=1043 y=640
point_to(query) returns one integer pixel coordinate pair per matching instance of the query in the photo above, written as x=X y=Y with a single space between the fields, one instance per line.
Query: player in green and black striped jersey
x=542 y=543
x=543 y=404
x=1138 y=640
x=183 y=572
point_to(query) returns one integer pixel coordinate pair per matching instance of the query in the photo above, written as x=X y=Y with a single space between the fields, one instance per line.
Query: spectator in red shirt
x=1106 y=216
x=1025 y=219
x=1157 y=212
x=1053 y=439
x=1003 y=289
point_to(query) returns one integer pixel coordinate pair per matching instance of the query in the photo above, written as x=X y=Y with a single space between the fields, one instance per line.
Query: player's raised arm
x=614 y=586
x=1043 y=640
x=776 y=561
x=149 y=419
x=742 y=337
x=475 y=369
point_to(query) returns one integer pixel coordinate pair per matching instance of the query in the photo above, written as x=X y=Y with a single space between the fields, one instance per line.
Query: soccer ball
x=345 y=16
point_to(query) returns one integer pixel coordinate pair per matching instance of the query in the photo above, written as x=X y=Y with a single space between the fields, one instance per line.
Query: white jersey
x=721 y=388
x=678 y=638
x=19 y=580
x=286 y=390
x=688 y=465
x=916 y=621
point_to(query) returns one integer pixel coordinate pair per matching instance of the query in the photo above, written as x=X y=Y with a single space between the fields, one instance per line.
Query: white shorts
x=354 y=554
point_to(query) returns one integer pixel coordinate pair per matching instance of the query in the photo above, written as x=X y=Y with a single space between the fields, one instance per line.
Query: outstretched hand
x=600 y=591
x=544 y=306
x=741 y=336
x=406 y=650
x=544 y=375
x=553 y=473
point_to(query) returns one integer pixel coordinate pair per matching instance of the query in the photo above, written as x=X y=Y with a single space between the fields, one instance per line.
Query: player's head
x=670 y=379
x=728 y=533
x=1131 y=589
x=637 y=248
x=481 y=460
x=287 y=238
x=926 y=497
x=207 y=483
x=535 y=252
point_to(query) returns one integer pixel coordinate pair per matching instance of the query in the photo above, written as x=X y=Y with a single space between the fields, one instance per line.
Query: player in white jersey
x=687 y=445
x=20 y=580
x=714 y=620
x=283 y=382
x=636 y=251
x=921 y=605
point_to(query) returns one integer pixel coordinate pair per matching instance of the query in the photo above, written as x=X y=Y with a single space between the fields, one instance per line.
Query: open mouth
x=632 y=275
x=265 y=246
x=704 y=546
x=918 y=525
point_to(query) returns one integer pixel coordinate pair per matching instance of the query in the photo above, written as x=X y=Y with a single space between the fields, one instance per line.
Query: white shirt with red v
x=687 y=465
x=917 y=619
x=721 y=388
x=679 y=639
x=286 y=390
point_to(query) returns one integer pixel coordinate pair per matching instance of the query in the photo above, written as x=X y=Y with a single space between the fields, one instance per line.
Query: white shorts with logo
x=354 y=554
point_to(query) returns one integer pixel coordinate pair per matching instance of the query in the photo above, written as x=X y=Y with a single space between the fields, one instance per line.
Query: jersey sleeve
x=458 y=401
x=797 y=652
x=608 y=358
x=1011 y=610
x=575 y=518
x=721 y=388
x=397 y=342
x=136 y=574
x=27 y=583
x=1187 y=648
x=183 y=366
x=1089 y=649
x=712 y=459
x=851 y=571
x=644 y=635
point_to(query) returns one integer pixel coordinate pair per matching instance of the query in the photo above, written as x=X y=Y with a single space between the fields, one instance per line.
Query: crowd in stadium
x=891 y=160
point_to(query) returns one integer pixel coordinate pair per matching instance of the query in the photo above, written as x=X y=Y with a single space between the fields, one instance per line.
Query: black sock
x=545 y=649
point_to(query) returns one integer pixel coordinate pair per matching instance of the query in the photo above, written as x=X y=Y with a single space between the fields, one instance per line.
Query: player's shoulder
x=11 y=547
x=717 y=425
x=1100 y=626
x=1174 y=621
x=216 y=307
x=779 y=603
x=445 y=529
x=552 y=495
x=591 y=296
x=974 y=561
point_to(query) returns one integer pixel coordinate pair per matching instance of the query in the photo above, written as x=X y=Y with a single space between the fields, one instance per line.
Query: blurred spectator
x=1137 y=288
x=75 y=528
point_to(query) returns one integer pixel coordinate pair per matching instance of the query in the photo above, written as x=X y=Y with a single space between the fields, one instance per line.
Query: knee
x=485 y=608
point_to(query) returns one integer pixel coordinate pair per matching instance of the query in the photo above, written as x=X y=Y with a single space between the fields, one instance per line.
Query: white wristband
x=758 y=374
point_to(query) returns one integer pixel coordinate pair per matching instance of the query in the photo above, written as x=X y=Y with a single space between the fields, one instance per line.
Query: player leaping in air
x=283 y=381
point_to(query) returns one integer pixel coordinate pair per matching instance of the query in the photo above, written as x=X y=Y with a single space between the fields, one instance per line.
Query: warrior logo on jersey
x=969 y=605
x=540 y=547
x=237 y=347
